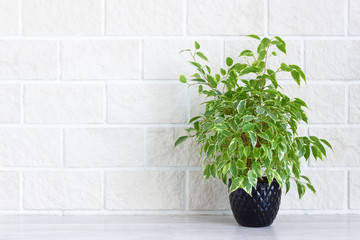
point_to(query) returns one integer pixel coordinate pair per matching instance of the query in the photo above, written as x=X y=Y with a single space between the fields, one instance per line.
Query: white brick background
x=90 y=104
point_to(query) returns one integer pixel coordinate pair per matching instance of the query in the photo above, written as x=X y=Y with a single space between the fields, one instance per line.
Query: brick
x=230 y=17
x=8 y=17
x=30 y=147
x=163 y=61
x=325 y=59
x=144 y=17
x=354 y=107
x=9 y=103
x=104 y=147
x=9 y=187
x=100 y=59
x=330 y=192
x=326 y=102
x=63 y=190
x=146 y=103
x=345 y=144
x=161 y=151
x=75 y=103
x=61 y=17
x=34 y=60
x=291 y=17
x=293 y=49
x=354 y=11
x=354 y=188
x=207 y=195
x=157 y=190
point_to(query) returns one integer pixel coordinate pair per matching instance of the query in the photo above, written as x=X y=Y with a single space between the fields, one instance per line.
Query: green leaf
x=254 y=36
x=263 y=136
x=300 y=189
x=327 y=143
x=306 y=178
x=274 y=54
x=257 y=153
x=299 y=70
x=222 y=71
x=236 y=184
x=278 y=179
x=252 y=178
x=296 y=170
x=300 y=102
x=232 y=147
x=295 y=76
x=229 y=61
x=311 y=187
x=210 y=151
x=316 y=152
x=246 y=53
x=201 y=55
x=281 y=151
x=180 y=140
x=253 y=138
x=249 y=70
x=194 y=119
x=182 y=78
x=213 y=170
x=241 y=106
x=248 y=127
x=247 y=151
x=262 y=55
x=256 y=166
x=197 y=45
x=287 y=186
x=233 y=168
x=248 y=118
x=219 y=120
x=206 y=171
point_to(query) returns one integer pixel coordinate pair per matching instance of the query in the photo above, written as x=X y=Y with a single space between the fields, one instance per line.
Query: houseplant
x=248 y=132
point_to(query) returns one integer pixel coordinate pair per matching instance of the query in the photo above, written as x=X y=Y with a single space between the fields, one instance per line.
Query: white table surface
x=339 y=227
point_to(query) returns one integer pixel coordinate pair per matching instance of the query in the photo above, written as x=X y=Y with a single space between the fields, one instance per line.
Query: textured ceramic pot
x=258 y=210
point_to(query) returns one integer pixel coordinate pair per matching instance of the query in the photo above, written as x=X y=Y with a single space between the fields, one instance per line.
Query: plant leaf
x=182 y=78
x=180 y=140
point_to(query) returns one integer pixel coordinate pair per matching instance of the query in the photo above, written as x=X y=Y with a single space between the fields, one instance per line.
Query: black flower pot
x=261 y=209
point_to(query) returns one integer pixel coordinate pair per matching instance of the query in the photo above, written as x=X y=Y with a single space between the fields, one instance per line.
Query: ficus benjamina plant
x=248 y=130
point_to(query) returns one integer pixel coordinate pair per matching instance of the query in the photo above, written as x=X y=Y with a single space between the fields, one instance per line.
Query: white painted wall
x=90 y=104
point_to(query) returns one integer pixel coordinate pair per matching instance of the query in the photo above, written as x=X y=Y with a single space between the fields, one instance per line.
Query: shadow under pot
x=258 y=210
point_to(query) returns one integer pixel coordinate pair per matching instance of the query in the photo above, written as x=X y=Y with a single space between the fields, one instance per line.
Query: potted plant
x=248 y=132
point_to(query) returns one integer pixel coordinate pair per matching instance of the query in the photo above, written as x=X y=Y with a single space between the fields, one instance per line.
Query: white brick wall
x=90 y=104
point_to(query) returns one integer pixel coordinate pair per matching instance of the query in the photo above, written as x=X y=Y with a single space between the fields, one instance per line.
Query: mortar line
x=139 y=168
x=171 y=37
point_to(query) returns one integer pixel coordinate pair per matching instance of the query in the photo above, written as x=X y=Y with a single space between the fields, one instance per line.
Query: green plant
x=249 y=127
